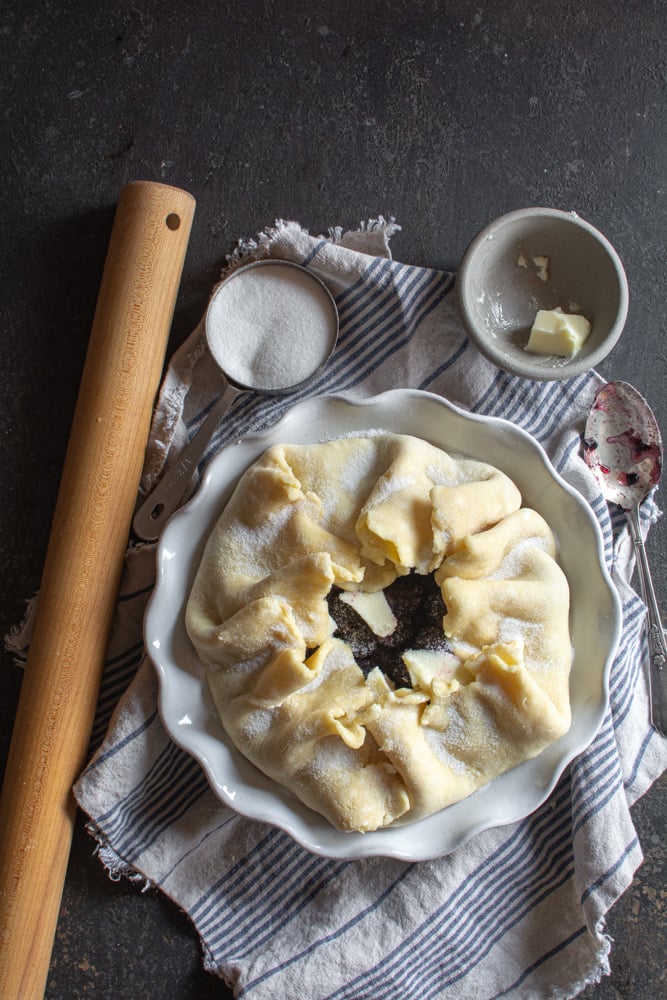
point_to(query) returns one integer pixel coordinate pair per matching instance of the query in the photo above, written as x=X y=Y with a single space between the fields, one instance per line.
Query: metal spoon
x=623 y=448
x=270 y=327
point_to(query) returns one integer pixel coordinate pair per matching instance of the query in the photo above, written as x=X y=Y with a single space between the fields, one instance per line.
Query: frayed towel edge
x=259 y=246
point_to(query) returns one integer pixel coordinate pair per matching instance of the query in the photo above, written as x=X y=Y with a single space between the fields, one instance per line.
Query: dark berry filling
x=419 y=609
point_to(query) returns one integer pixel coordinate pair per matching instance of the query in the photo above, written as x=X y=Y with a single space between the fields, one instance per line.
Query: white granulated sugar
x=444 y=745
x=387 y=488
x=330 y=756
x=370 y=432
x=251 y=664
x=253 y=544
x=440 y=477
x=270 y=328
x=533 y=636
x=356 y=471
x=514 y=563
x=257 y=724
x=510 y=629
x=470 y=470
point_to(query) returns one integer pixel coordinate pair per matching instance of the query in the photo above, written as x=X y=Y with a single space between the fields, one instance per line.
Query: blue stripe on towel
x=195 y=848
x=115 y=681
x=628 y=669
x=117 y=748
x=313 y=880
x=173 y=781
x=456 y=355
x=632 y=777
x=329 y=938
x=193 y=785
x=365 y=283
x=541 y=960
x=611 y=870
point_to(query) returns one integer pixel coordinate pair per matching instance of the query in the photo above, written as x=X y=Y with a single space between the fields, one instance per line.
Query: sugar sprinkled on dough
x=451 y=744
x=388 y=486
x=355 y=470
x=256 y=541
x=332 y=754
x=440 y=478
x=257 y=723
x=513 y=563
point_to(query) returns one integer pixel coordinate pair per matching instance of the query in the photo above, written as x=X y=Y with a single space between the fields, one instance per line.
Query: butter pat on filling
x=374 y=609
x=555 y=332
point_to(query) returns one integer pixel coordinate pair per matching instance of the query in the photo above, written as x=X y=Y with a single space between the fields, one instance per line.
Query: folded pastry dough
x=356 y=513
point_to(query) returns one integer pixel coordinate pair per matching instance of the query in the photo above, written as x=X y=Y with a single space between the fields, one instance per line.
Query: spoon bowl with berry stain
x=623 y=449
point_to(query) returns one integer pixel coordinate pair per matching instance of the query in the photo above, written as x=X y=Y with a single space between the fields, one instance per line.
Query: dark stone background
x=442 y=114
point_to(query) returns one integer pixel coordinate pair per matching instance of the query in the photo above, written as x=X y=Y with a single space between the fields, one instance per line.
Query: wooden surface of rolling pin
x=82 y=570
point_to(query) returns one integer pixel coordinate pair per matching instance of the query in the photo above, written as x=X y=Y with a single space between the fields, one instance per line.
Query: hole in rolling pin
x=173 y=221
x=156 y=511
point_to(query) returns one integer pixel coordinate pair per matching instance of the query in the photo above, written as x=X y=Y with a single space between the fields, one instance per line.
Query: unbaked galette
x=384 y=626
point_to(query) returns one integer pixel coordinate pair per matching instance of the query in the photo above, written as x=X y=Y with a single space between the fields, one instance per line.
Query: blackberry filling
x=417 y=604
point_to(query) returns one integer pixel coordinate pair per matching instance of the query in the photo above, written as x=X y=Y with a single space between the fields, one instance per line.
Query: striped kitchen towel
x=517 y=911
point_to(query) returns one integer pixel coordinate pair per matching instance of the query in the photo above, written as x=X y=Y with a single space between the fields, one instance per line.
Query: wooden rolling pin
x=82 y=571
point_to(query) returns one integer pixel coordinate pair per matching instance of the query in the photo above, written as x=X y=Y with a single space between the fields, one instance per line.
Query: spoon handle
x=656 y=635
x=161 y=503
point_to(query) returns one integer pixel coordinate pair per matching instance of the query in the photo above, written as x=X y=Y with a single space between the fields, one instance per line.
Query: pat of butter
x=557 y=333
x=542 y=268
x=373 y=609
x=425 y=665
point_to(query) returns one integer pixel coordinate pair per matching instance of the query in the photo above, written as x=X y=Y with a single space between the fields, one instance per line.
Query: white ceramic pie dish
x=186 y=706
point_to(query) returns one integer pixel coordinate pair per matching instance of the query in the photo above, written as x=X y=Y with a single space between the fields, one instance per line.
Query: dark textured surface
x=441 y=114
